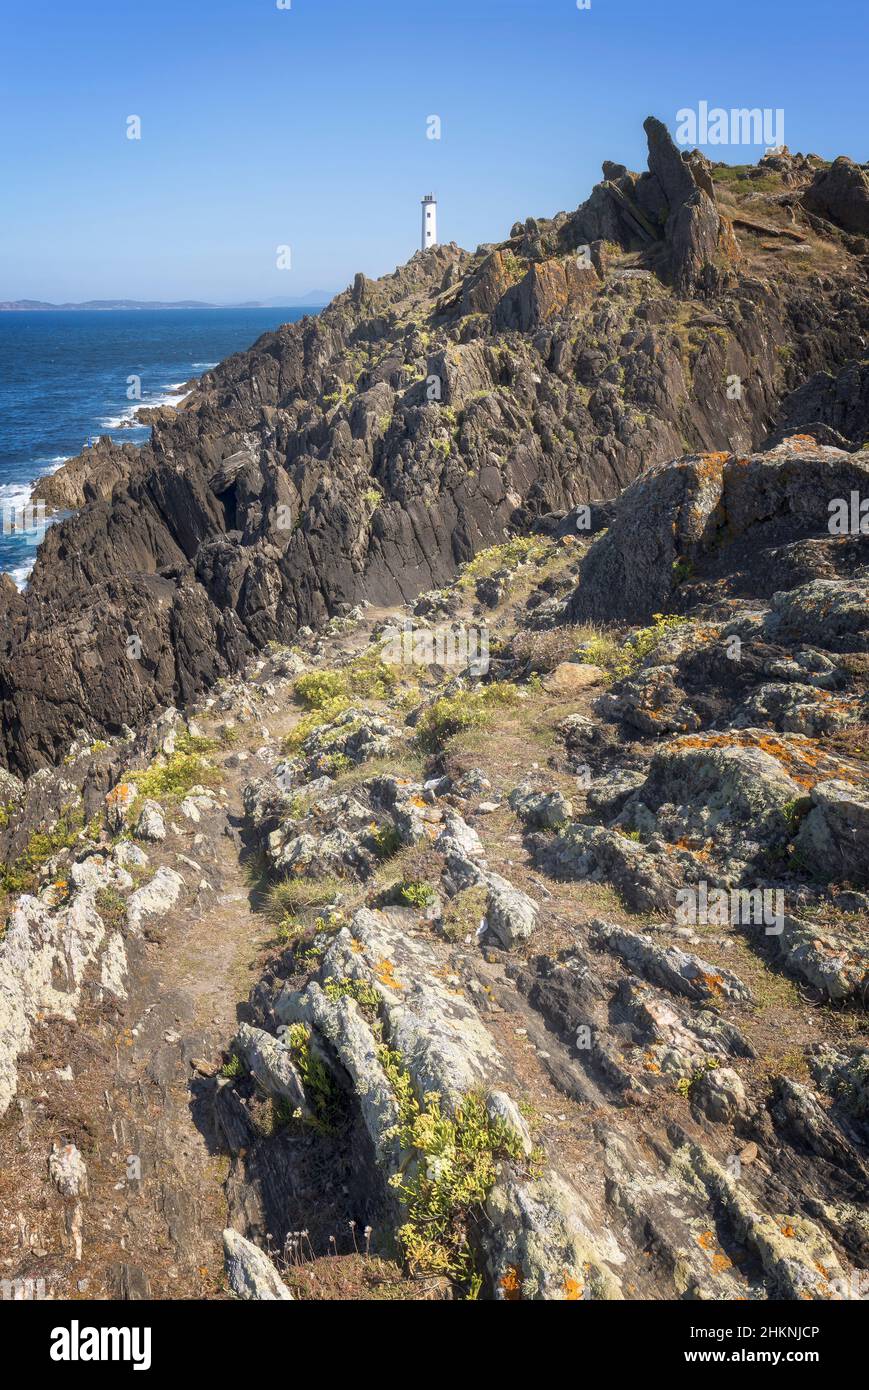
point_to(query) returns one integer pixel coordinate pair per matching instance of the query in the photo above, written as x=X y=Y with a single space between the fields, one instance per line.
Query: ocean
x=63 y=382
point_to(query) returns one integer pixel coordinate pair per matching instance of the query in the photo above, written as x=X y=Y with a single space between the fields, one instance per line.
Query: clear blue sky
x=307 y=126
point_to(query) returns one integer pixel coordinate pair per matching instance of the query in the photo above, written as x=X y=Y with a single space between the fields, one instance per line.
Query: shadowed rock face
x=842 y=194
x=369 y=452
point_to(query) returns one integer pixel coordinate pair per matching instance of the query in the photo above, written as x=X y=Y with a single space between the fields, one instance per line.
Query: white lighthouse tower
x=429 y=221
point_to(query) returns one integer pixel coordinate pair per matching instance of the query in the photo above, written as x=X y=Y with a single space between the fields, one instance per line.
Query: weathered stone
x=68 y=1171
x=540 y=810
x=719 y=1094
x=834 y=837
x=151 y=824
x=510 y=913
x=154 y=899
x=271 y=1065
x=250 y=1272
x=671 y=967
x=570 y=676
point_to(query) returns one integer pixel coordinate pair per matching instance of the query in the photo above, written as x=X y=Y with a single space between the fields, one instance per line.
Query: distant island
x=317 y=298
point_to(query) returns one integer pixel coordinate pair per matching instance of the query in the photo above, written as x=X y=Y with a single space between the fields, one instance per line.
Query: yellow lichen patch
x=720 y=1263
x=706 y=1240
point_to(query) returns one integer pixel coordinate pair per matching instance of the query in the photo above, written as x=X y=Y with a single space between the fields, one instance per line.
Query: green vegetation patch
x=321 y=1089
x=175 y=778
x=468 y=709
x=289 y=896
x=622 y=659
x=368 y=677
x=508 y=555
x=21 y=876
x=453 y=1165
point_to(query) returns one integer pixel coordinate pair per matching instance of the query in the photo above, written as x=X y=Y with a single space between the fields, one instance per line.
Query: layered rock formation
x=563 y=983
x=370 y=451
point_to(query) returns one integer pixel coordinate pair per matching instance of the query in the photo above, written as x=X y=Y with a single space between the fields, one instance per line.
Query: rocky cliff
x=505 y=939
x=369 y=451
x=379 y=975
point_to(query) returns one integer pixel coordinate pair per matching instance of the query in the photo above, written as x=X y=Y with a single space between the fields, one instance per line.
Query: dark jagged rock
x=841 y=193
x=834 y=409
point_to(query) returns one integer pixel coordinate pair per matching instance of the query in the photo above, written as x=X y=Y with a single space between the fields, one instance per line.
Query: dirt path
x=157 y=1163
x=187 y=993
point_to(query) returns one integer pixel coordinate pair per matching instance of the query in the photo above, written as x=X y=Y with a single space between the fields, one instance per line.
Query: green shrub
x=321 y=1090
x=464 y=912
x=411 y=894
x=318 y=688
x=181 y=772
x=509 y=555
x=367 y=677
x=444 y=1187
x=196 y=743
x=21 y=876
x=622 y=659
x=365 y=994
x=467 y=709
x=112 y=908
x=309 y=723
x=292 y=895
x=387 y=841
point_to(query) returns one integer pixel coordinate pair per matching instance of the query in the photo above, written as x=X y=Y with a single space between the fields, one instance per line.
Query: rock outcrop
x=842 y=194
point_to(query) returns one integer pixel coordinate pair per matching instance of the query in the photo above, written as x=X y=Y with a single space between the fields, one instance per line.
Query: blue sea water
x=63 y=382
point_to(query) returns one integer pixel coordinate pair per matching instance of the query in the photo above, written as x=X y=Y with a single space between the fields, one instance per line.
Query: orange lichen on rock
x=385 y=972
x=803 y=759
x=573 y=1288
x=511 y=1283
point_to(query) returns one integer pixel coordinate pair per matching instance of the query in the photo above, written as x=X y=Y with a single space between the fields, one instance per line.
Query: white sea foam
x=170 y=394
x=16 y=498
x=21 y=573
x=17 y=495
x=14 y=495
x=122 y=421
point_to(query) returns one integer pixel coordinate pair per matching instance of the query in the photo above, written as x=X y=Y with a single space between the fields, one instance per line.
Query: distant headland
x=316 y=298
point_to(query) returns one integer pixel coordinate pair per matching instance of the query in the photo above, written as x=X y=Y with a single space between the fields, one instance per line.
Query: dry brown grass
x=352 y=1278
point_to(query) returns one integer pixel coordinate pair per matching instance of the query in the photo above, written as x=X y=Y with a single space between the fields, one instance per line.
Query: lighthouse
x=429 y=221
